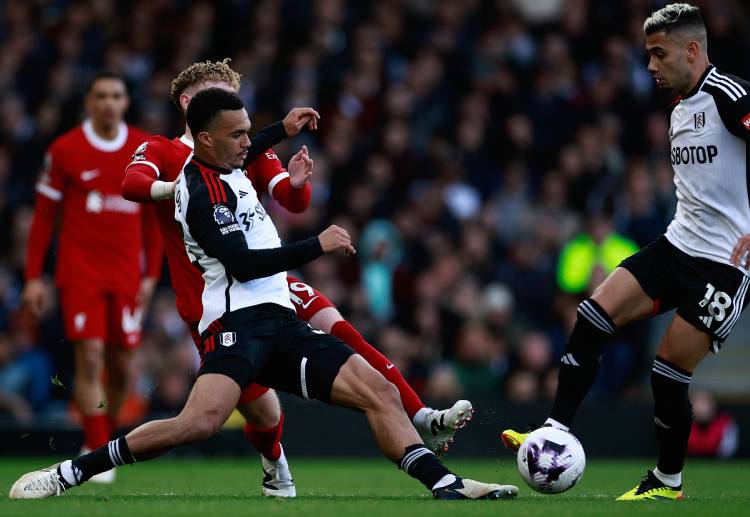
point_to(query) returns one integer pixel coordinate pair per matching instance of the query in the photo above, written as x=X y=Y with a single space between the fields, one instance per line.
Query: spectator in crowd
x=714 y=433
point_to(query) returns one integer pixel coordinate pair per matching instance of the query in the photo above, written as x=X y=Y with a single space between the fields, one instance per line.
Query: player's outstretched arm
x=246 y=264
x=289 y=127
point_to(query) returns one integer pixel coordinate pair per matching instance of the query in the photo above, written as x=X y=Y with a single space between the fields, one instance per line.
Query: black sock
x=580 y=363
x=673 y=414
x=421 y=464
x=114 y=454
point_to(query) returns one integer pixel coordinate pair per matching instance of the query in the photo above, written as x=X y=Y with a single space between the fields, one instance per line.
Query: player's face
x=189 y=93
x=107 y=102
x=229 y=138
x=667 y=62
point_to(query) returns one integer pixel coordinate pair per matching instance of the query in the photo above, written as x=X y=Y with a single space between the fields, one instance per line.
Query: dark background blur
x=476 y=150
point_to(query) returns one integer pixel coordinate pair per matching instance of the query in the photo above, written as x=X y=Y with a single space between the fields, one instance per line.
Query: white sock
x=66 y=471
x=671 y=480
x=444 y=481
x=557 y=425
x=420 y=417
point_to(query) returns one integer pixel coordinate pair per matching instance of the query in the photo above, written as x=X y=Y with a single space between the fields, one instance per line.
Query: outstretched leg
x=359 y=386
x=211 y=401
x=436 y=427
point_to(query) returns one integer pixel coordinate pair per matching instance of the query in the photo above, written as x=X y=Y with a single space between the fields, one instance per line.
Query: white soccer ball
x=551 y=460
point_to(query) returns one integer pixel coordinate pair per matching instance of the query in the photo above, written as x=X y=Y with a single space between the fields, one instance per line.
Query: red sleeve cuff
x=296 y=200
x=136 y=185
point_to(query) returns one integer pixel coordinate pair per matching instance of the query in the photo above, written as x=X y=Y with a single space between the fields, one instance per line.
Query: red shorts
x=113 y=317
x=249 y=394
x=307 y=301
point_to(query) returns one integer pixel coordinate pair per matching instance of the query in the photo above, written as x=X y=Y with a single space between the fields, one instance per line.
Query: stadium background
x=470 y=146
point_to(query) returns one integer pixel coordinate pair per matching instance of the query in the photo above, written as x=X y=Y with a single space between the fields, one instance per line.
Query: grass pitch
x=363 y=487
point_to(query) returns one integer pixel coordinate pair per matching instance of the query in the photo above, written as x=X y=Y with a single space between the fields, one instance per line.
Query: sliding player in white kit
x=249 y=329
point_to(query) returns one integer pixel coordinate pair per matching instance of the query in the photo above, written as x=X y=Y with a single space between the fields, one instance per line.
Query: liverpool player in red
x=98 y=266
x=151 y=176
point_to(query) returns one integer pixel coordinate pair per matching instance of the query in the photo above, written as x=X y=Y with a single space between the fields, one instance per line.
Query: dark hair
x=675 y=17
x=105 y=74
x=207 y=104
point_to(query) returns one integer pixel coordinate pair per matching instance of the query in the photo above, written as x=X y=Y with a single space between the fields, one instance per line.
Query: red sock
x=95 y=431
x=349 y=335
x=266 y=441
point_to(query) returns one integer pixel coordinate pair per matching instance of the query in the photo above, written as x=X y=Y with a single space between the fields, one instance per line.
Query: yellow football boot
x=651 y=489
x=512 y=439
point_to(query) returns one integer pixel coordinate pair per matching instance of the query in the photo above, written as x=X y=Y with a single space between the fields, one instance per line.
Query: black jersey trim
x=226 y=291
x=700 y=82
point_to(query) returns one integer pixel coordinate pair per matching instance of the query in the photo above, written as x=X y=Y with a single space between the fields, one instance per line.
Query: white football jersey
x=709 y=133
x=214 y=208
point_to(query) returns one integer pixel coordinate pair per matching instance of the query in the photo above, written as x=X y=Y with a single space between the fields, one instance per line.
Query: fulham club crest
x=228 y=338
x=700 y=120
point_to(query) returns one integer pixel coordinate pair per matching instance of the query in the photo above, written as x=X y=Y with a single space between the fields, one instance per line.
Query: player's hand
x=335 y=238
x=298 y=118
x=34 y=296
x=300 y=168
x=146 y=292
x=741 y=249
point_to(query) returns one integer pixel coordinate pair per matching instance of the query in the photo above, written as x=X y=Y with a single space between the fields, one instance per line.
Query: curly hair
x=202 y=72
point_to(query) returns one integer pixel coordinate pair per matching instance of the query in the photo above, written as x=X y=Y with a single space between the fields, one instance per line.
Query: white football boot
x=437 y=427
x=470 y=489
x=38 y=484
x=277 y=479
x=103 y=478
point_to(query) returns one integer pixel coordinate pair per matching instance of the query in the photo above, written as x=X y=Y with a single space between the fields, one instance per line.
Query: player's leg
x=682 y=348
x=360 y=386
x=712 y=297
x=264 y=424
x=88 y=391
x=619 y=300
x=124 y=337
x=210 y=403
x=436 y=427
x=117 y=362
x=85 y=321
x=315 y=365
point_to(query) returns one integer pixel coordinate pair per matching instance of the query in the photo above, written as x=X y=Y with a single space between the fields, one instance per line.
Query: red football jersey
x=101 y=236
x=163 y=159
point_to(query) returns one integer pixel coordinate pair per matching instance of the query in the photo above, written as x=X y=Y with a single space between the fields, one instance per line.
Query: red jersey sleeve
x=153 y=247
x=269 y=175
x=149 y=159
x=46 y=208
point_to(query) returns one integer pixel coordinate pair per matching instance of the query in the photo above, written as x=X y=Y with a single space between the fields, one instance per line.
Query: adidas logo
x=242 y=193
x=436 y=426
x=569 y=360
x=707 y=320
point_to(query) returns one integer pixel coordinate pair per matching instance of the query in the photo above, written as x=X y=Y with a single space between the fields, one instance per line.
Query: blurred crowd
x=494 y=159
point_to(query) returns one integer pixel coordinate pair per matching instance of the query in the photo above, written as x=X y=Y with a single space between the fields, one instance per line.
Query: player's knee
x=89 y=361
x=264 y=411
x=202 y=428
x=325 y=319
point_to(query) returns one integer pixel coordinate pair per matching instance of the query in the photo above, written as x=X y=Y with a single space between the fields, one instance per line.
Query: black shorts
x=707 y=294
x=268 y=345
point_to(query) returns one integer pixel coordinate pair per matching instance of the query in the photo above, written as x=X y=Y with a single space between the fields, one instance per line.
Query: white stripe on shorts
x=303 y=377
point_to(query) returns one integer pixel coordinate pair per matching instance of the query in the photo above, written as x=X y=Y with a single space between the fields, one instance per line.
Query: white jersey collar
x=187 y=141
x=99 y=143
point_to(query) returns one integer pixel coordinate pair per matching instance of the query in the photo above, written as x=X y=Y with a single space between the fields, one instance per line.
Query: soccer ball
x=551 y=460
